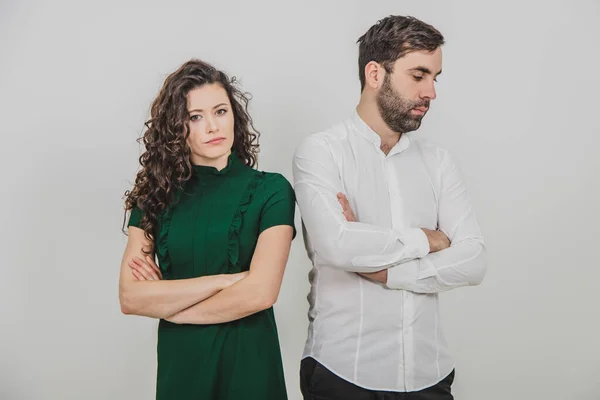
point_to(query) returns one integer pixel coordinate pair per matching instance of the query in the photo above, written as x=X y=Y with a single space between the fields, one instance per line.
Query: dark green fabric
x=213 y=229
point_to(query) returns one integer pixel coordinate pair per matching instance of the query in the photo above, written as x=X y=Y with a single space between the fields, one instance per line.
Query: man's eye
x=417 y=78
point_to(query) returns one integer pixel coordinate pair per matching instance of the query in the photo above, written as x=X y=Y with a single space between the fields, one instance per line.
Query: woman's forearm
x=257 y=292
x=162 y=298
x=237 y=301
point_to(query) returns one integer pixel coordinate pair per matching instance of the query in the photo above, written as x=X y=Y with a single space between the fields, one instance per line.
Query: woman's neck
x=219 y=163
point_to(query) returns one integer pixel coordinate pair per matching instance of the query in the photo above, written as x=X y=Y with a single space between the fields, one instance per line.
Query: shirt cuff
x=416 y=242
x=404 y=276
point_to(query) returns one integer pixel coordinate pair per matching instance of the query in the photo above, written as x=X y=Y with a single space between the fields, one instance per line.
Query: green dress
x=213 y=229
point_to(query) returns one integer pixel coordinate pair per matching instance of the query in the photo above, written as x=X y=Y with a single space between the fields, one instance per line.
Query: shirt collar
x=369 y=134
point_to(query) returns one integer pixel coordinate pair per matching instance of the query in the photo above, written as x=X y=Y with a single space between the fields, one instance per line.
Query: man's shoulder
x=329 y=139
x=333 y=134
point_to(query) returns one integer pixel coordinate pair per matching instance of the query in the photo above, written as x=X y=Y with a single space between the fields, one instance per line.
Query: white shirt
x=382 y=337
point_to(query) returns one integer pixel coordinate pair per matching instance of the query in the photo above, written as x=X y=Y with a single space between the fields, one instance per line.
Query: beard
x=396 y=110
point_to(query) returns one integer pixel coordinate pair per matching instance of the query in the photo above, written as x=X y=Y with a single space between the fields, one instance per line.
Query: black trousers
x=318 y=383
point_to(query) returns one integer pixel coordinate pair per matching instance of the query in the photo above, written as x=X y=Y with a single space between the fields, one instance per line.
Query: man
x=387 y=225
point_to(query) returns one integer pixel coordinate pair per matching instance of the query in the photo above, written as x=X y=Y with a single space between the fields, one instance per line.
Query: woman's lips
x=215 y=141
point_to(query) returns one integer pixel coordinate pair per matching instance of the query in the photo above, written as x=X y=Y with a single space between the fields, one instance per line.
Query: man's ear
x=374 y=75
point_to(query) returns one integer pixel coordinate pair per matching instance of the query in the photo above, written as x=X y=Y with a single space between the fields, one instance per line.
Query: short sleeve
x=280 y=203
x=135 y=217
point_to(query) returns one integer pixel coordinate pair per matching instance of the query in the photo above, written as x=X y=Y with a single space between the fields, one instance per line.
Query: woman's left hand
x=145 y=270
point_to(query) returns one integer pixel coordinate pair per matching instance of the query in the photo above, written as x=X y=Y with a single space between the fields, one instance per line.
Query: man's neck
x=369 y=113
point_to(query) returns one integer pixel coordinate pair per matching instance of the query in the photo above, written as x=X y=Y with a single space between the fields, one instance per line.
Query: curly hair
x=165 y=163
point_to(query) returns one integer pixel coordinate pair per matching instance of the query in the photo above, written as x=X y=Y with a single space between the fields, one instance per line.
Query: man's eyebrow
x=425 y=70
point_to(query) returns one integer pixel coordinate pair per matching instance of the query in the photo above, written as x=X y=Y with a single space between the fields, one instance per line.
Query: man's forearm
x=463 y=264
x=354 y=246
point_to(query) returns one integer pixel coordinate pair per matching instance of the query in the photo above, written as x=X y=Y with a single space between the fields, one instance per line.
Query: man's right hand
x=437 y=240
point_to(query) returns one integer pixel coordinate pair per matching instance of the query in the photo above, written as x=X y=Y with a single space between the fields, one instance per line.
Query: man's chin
x=407 y=124
x=412 y=126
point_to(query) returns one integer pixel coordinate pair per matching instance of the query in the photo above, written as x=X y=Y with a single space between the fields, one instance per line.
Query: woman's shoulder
x=271 y=183
x=275 y=180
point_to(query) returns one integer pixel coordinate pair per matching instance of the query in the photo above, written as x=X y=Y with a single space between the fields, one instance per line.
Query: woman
x=221 y=232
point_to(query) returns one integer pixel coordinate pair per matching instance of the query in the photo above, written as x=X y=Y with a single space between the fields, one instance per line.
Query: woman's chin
x=214 y=153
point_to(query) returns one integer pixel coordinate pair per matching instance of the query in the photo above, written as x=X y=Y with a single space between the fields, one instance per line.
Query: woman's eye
x=195 y=117
x=221 y=111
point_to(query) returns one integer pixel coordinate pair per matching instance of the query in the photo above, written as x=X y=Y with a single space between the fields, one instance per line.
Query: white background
x=517 y=105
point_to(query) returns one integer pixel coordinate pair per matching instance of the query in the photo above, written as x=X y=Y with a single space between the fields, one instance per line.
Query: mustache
x=418 y=104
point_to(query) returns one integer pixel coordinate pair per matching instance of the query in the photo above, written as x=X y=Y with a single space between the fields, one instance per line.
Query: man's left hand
x=379 y=276
x=346 y=209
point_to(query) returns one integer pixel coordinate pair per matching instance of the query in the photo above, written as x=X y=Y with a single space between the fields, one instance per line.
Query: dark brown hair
x=165 y=163
x=392 y=38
